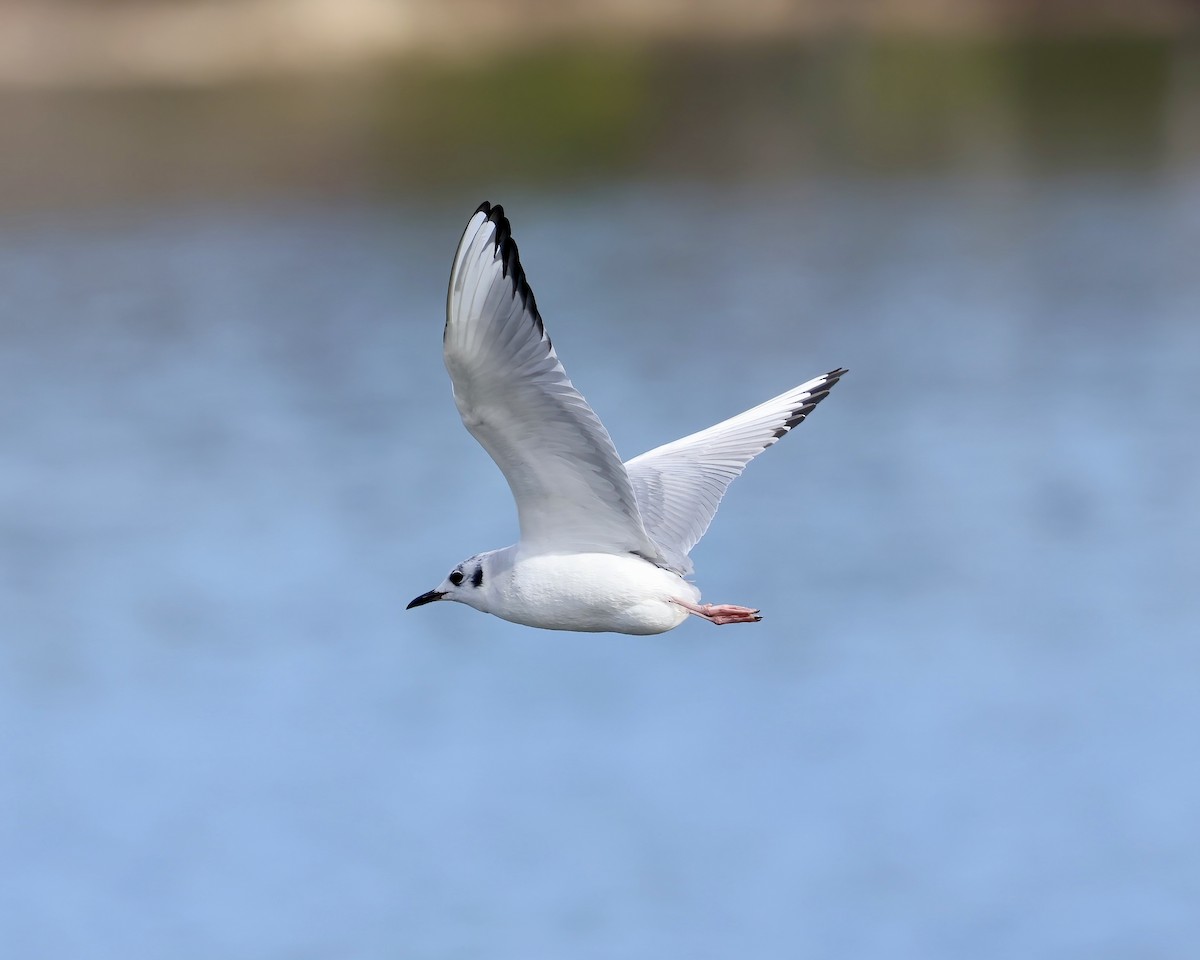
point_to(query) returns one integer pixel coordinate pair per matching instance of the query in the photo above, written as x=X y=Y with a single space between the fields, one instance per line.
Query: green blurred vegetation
x=580 y=113
x=869 y=106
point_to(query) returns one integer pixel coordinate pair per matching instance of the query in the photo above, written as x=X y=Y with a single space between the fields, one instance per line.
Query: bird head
x=464 y=584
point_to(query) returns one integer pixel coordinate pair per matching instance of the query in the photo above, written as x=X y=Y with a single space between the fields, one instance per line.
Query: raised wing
x=571 y=489
x=679 y=485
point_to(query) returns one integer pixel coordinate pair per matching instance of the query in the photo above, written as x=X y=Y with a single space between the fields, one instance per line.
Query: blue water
x=966 y=728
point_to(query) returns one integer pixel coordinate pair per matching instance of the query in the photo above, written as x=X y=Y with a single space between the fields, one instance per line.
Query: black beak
x=426 y=598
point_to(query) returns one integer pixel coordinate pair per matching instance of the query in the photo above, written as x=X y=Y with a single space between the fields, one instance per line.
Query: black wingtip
x=796 y=417
x=510 y=259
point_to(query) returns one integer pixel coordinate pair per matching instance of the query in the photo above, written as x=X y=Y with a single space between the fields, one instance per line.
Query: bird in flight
x=604 y=545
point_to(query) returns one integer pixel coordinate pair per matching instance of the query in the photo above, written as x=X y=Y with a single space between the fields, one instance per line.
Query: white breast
x=592 y=592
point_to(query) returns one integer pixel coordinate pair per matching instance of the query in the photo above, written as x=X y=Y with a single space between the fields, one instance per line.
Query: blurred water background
x=967 y=726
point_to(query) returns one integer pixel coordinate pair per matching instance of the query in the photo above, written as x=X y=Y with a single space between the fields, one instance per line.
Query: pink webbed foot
x=720 y=613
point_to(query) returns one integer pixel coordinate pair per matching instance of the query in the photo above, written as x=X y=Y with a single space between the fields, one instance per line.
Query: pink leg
x=720 y=613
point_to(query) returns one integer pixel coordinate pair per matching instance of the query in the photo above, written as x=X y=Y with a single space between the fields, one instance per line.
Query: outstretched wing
x=679 y=485
x=571 y=489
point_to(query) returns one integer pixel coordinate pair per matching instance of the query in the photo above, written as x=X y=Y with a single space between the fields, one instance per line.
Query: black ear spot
x=456 y=578
x=477 y=577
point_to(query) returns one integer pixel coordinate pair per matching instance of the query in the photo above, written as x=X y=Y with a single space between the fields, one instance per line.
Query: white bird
x=604 y=544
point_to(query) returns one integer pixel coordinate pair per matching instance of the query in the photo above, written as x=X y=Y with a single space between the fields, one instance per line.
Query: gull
x=604 y=545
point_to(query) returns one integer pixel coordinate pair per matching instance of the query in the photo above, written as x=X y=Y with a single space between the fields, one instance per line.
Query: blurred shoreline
x=120 y=104
x=70 y=44
x=766 y=112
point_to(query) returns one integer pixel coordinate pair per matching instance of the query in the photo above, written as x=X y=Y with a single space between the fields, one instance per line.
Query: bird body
x=586 y=592
x=604 y=544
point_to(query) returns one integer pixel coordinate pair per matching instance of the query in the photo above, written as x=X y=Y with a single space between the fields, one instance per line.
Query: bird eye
x=456 y=578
